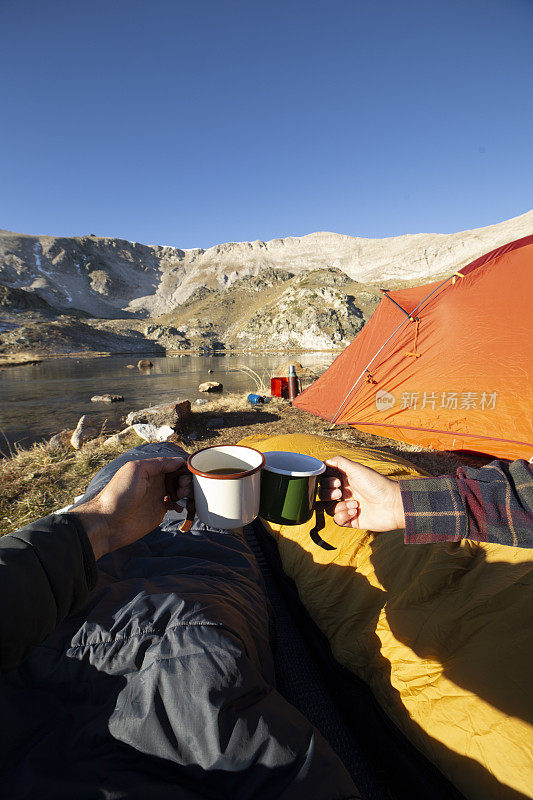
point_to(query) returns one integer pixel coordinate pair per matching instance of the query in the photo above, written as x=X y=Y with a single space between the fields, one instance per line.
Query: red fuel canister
x=279 y=387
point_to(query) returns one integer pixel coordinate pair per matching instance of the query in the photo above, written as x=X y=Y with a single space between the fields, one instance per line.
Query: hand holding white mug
x=132 y=504
x=360 y=497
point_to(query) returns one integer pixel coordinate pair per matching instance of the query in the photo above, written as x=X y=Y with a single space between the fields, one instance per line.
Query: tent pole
x=413 y=319
x=408 y=318
x=332 y=423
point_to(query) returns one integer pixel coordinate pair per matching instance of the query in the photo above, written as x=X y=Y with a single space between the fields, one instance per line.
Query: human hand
x=359 y=497
x=132 y=504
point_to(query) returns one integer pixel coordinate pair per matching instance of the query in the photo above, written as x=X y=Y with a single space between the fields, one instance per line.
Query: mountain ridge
x=110 y=275
x=121 y=285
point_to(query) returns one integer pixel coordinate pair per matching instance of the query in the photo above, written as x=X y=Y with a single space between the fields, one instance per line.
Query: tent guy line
x=407 y=314
x=410 y=318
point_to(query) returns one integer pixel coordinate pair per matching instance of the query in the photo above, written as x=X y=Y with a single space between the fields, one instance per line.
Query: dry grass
x=36 y=481
x=262 y=382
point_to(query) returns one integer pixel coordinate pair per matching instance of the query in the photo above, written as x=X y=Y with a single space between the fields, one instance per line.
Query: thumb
x=340 y=463
x=335 y=461
x=158 y=466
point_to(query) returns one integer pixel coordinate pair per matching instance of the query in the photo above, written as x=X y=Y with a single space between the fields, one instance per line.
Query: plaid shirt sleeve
x=491 y=504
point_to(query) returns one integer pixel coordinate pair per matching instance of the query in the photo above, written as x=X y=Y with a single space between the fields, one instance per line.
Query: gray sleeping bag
x=162 y=687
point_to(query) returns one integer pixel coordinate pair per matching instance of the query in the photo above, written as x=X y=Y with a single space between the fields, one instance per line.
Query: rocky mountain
x=310 y=291
x=69 y=335
x=320 y=310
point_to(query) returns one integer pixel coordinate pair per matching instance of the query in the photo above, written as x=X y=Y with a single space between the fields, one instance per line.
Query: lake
x=39 y=400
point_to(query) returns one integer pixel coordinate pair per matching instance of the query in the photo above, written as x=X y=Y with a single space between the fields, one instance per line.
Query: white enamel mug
x=226 y=482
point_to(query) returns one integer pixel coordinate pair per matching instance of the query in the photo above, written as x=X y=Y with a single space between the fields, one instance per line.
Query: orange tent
x=448 y=365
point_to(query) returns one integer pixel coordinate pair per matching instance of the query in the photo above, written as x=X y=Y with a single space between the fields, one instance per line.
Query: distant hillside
x=312 y=291
x=318 y=310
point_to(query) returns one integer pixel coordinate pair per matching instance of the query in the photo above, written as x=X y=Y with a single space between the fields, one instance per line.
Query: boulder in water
x=210 y=386
x=107 y=398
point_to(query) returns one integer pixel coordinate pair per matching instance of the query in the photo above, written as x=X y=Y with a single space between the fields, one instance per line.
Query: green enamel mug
x=288 y=487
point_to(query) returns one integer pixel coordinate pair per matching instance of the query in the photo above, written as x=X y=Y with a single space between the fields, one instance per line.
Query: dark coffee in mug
x=226 y=481
x=223 y=471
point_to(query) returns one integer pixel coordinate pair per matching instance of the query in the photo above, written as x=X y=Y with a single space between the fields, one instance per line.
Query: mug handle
x=320 y=523
x=171 y=480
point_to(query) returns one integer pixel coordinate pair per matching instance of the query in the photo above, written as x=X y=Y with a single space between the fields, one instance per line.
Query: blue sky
x=193 y=123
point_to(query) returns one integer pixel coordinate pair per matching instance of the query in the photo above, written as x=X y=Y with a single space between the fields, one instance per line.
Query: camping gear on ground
x=448 y=365
x=226 y=483
x=444 y=641
x=256 y=399
x=288 y=487
x=293 y=382
x=279 y=387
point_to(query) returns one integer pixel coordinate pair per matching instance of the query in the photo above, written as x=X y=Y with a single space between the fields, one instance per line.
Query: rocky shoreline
x=24 y=359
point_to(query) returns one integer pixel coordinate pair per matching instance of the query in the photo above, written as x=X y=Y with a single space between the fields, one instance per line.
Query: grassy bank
x=19 y=359
x=36 y=481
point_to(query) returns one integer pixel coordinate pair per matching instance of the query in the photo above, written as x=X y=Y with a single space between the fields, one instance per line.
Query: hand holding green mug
x=359 y=497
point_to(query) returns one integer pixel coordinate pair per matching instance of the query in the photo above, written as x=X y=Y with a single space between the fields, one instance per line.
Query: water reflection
x=39 y=400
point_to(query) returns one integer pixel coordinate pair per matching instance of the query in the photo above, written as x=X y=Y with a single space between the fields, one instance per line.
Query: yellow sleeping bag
x=444 y=641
